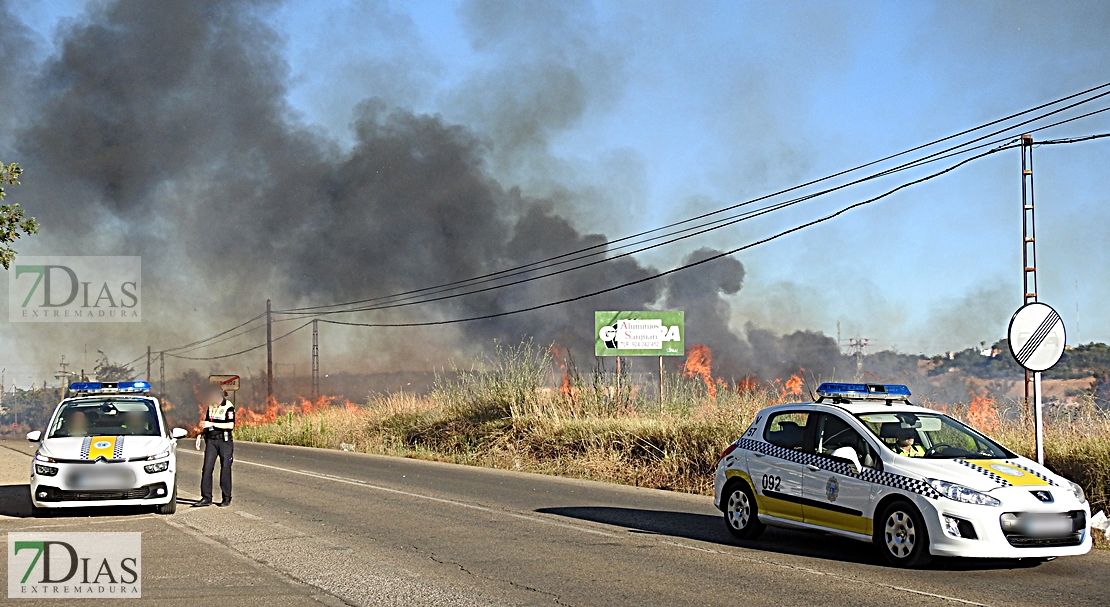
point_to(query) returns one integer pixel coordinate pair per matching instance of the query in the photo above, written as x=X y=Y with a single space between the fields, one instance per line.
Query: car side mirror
x=849 y=454
x=179 y=433
x=34 y=436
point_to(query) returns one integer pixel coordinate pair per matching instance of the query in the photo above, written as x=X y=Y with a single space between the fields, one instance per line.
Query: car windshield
x=107 y=417
x=930 y=435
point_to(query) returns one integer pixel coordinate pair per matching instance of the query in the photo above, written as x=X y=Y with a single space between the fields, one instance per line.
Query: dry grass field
x=512 y=415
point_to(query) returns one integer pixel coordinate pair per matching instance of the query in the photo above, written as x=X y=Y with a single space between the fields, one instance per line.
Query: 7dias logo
x=75 y=289
x=74 y=565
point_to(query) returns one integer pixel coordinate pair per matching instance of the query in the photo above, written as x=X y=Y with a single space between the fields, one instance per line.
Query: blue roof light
x=863 y=391
x=98 y=387
x=84 y=386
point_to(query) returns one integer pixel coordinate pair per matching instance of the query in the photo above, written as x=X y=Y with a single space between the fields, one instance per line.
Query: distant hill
x=1084 y=369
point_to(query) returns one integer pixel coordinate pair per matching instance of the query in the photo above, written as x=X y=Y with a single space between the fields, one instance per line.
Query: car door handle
x=812 y=467
x=757 y=454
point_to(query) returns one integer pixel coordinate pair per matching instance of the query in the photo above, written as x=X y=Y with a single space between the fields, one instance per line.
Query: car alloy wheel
x=900 y=534
x=739 y=510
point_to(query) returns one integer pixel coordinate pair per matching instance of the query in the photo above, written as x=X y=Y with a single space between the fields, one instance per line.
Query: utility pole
x=315 y=361
x=63 y=373
x=1029 y=280
x=857 y=346
x=161 y=374
x=1029 y=244
x=269 y=354
x=148 y=363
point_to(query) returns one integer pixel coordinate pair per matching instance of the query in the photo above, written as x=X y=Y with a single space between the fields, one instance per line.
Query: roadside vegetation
x=526 y=410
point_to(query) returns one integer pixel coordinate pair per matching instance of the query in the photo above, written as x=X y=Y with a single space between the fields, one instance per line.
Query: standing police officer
x=217 y=426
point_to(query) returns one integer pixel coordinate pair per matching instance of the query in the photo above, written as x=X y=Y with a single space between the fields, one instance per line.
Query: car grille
x=1016 y=535
x=57 y=495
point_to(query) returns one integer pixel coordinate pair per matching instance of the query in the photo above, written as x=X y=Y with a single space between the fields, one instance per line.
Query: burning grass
x=529 y=409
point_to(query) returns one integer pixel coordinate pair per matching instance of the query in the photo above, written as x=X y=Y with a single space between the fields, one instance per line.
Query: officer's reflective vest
x=221 y=413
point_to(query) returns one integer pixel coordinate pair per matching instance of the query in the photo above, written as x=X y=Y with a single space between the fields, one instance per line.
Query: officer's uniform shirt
x=220 y=413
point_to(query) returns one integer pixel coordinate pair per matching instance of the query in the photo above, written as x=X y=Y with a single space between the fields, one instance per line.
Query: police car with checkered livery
x=864 y=463
x=107 y=446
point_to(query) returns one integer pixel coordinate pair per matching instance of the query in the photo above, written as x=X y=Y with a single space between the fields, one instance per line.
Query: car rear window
x=787 y=429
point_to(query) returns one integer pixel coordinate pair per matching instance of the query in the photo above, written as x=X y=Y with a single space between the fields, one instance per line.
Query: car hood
x=982 y=474
x=109 y=447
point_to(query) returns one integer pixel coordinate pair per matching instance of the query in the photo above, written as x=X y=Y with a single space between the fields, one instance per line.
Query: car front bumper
x=143 y=489
x=991 y=541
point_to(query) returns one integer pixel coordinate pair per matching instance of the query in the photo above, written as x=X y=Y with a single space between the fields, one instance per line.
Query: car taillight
x=728 y=449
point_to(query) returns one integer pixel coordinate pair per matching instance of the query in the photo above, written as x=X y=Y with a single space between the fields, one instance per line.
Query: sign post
x=646 y=333
x=1037 y=341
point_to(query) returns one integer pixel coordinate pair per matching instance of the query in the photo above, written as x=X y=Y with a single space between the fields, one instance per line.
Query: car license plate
x=102 y=479
x=1048 y=526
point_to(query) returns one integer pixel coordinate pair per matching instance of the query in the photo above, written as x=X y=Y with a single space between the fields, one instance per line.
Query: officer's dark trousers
x=216 y=448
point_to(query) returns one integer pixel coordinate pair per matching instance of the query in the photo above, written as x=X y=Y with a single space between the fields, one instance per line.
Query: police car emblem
x=1007 y=470
x=832 y=489
x=102 y=444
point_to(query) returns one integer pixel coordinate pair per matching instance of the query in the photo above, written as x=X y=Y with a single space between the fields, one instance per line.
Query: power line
x=718 y=211
x=1072 y=140
x=705 y=228
x=674 y=270
x=200 y=341
x=261 y=345
x=682 y=267
x=913 y=164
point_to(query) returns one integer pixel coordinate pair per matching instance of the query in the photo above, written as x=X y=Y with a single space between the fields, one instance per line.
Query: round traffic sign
x=1036 y=336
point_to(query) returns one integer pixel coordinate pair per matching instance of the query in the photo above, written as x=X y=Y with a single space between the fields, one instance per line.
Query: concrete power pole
x=315 y=361
x=1028 y=239
x=147 y=377
x=269 y=353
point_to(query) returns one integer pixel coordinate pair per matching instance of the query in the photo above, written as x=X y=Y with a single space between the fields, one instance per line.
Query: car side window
x=834 y=433
x=787 y=429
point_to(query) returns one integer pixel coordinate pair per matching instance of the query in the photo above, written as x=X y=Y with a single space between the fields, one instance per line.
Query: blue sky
x=679 y=108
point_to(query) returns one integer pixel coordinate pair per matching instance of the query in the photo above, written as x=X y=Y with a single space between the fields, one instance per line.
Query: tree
x=106 y=370
x=13 y=223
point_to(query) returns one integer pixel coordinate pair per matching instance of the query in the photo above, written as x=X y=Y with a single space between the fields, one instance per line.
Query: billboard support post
x=618 y=393
x=660 y=382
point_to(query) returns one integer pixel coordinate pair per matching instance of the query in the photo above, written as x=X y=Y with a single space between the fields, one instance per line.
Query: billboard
x=648 y=333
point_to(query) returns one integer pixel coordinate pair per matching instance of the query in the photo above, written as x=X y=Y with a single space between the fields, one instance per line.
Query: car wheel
x=171 y=506
x=901 y=535
x=741 y=512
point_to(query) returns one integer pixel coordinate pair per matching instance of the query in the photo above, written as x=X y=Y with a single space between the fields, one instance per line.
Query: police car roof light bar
x=843 y=391
x=111 y=387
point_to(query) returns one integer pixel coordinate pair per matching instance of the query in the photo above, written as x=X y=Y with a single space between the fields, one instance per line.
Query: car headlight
x=165 y=453
x=42 y=470
x=42 y=458
x=159 y=467
x=1077 y=491
x=963 y=494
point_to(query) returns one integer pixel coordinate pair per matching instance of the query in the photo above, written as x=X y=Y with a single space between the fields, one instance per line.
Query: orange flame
x=792 y=387
x=566 y=387
x=699 y=363
x=982 y=413
x=748 y=385
x=303 y=407
x=270 y=415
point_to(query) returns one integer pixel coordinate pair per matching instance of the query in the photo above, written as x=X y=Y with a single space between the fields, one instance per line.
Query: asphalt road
x=325 y=527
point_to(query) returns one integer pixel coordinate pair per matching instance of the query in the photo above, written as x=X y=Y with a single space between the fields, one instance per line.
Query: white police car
x=107 y=446
x=864 y=463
